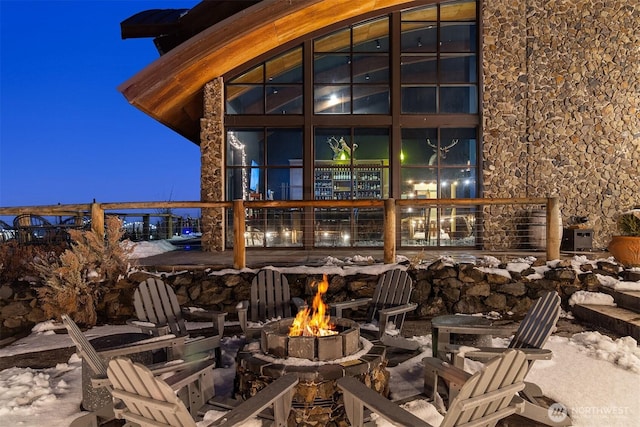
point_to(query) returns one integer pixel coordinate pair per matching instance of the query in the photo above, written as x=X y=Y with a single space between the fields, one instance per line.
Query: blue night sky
x=67 y=134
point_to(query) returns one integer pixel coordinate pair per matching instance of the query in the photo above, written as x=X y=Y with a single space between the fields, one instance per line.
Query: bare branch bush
x=81 y=275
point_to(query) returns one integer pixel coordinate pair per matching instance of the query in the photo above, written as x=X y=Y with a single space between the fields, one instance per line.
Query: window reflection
x=351 y=157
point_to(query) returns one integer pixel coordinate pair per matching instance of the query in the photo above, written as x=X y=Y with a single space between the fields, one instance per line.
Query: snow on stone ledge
x=613 y=283
x=594 y=298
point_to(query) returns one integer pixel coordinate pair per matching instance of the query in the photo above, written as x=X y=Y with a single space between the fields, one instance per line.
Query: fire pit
x=277 y=342
x=319 y=349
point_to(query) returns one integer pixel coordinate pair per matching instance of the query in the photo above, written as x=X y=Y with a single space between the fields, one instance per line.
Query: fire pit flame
x=314 y=323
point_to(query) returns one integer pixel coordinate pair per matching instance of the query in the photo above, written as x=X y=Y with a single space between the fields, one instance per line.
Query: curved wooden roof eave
x=170 y=88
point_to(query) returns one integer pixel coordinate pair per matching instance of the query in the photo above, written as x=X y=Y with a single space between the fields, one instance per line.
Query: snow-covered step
x=619 y=320
x=625 y=299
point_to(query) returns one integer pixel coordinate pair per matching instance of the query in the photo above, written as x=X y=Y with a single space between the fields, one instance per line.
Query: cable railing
x=500 y=224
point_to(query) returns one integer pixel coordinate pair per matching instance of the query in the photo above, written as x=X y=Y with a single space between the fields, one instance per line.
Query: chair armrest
x=188 y=375
x=155 y=343
x=278 y=393
x=499 y=331
x=180 y=364
x=217 y=317
x=150 y=328
x=486 y=353
x=298 y=303
x=446 y=370
x=100 y=382
x=337 y=307
x=161 y=368
x=357 y=396
x=394 y=311
x=243 y=308
x=385 y=313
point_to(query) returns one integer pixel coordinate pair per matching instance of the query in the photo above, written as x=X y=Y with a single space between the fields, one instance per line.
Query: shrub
x=16 y=260
x=629 y=222
x=75 y=282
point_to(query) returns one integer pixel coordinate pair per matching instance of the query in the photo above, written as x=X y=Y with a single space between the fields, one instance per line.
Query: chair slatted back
x=156 y=302
x=539 y=323
x=84 y=348
x=485 y=397
x=394 y=288
x=148 y=401
x=270 y=296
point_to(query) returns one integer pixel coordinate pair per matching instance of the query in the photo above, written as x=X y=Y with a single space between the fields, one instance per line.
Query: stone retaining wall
x=440 y=288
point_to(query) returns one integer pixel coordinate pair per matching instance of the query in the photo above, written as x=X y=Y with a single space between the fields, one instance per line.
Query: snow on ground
x=595 y=377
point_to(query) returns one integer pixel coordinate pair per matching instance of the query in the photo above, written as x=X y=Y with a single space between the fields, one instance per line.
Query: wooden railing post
x=146 y=227
x=97 y=219
x=553 y=228
x=239 y=251
x=169 y=230
x=389 y=231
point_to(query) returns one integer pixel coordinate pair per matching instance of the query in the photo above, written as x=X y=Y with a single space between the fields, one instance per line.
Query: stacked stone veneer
x=561 y=105
x=212 y=179
x=440 y=288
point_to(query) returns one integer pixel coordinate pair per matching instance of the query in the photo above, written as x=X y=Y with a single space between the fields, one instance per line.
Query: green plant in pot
x=625 y=247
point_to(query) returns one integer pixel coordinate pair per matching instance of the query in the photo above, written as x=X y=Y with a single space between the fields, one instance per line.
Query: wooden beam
x=164 y=88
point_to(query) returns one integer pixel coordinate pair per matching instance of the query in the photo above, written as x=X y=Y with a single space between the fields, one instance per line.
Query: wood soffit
x=170 y=88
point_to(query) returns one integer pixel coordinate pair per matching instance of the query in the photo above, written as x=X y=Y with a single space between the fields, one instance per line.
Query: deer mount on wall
x=340 y=148
x=441 y=152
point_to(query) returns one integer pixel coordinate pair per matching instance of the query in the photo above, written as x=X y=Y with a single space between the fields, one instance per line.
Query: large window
x=264 y=164
x=351 y=70
x=382 y=107
x=438 y=59
x=273 y=87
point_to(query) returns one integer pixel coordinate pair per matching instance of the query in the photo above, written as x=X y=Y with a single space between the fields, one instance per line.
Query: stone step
x=615 y=319
x=624 y=299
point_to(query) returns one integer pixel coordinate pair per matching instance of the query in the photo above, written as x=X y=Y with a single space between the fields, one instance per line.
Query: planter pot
x=626 y=250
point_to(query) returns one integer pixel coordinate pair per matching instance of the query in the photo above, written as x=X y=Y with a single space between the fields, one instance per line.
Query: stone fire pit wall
x=317 y=400
x=276 y=341
x=440 y=288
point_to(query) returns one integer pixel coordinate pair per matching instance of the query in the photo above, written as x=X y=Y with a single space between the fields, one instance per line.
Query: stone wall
x=440 y=288
x=212 y=180
x=560 y=105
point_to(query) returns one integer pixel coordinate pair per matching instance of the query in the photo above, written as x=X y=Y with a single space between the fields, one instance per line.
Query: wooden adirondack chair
x=485 y=398
x=150 y=401
x=531 y=335
x=270 y=299
x=195 y=392
x=388 y=306
x=158 y=313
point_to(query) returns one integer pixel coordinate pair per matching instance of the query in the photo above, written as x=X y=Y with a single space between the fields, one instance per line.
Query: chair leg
x=200 y=391
x=218 y=355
